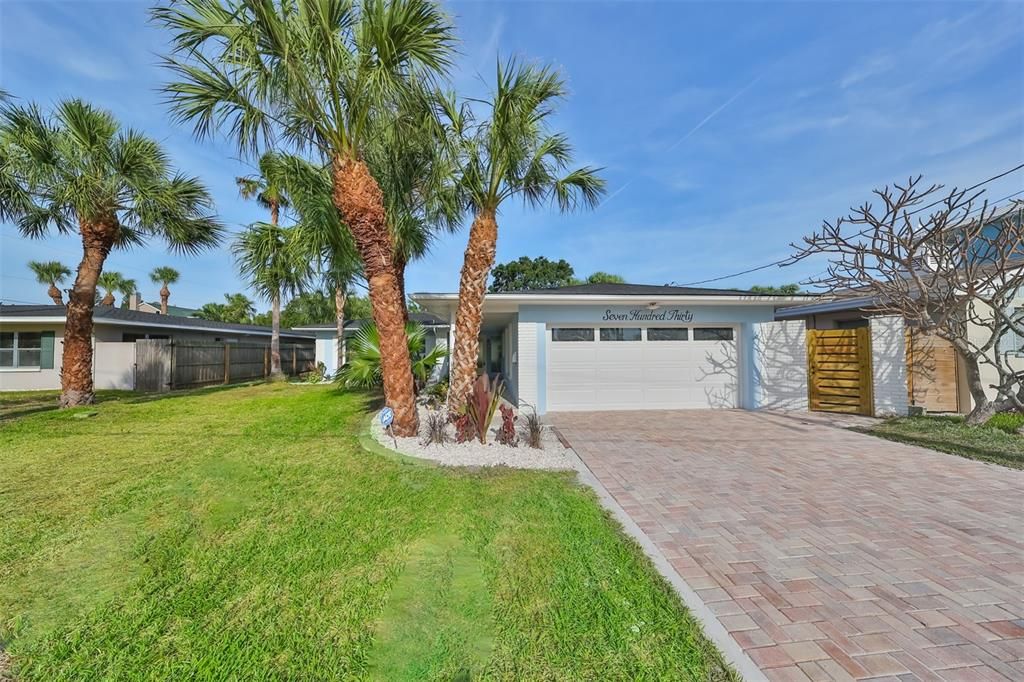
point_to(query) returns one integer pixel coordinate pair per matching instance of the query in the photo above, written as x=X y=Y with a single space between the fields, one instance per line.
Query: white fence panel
x=114 y=365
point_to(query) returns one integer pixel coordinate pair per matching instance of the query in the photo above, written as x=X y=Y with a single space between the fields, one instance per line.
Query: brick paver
x=825 y=553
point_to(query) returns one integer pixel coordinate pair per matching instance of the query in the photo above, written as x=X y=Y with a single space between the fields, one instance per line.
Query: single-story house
x=327 y=337
x=31 y=342
x=637 y=347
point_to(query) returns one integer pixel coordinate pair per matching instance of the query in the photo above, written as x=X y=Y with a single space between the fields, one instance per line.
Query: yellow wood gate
x=839 y=370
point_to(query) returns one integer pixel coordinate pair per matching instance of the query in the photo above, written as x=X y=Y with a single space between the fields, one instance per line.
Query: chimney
x=134 y=301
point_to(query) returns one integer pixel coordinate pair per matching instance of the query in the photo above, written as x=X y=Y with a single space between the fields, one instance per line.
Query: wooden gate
x=839 y=370
x=153 y=365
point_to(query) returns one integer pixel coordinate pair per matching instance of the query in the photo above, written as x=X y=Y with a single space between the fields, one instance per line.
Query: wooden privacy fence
x=166 y=365
x=839 y=370
x=932 y=373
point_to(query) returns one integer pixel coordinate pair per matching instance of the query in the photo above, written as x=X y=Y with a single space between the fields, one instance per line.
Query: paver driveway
x=826 y=554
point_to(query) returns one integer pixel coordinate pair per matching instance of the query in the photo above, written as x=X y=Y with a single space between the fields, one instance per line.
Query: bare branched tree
x=954 y=272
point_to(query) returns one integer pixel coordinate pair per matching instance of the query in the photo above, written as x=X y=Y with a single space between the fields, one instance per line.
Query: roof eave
x=132 y=323
x=430 y=297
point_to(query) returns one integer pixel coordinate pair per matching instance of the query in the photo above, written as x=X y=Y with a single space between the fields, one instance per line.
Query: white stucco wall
x=528 y=334
x=888 y=365
x=1014 y=360
x=780 y=365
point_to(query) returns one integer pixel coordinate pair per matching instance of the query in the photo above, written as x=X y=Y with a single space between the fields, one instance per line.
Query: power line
x=784 y=261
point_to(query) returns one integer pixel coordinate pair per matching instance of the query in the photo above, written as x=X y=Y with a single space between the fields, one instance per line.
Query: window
x=1015 y=343
x=712 y=334
x=620 y=333
x=7 y=349
x=21 y=349
x=572 y=334
x=668 y=333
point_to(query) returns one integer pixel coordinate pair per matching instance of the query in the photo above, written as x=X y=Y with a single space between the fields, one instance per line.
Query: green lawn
x=950 y=434
x=247 y=534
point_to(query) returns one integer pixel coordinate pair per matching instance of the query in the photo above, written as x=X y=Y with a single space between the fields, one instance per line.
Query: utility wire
x=786 y=260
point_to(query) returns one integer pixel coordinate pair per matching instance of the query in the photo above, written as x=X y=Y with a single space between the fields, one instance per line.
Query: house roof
x=621 y=293
x=836 y=305
x=426 y=319
x=103 y=314
x=175 y=310
x=635 y=290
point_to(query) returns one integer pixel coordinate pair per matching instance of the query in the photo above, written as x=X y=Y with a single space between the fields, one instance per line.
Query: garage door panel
x=628 y=375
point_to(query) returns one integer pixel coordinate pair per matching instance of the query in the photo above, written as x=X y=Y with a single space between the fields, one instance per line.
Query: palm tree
x=266 y=187
x=340 y=274
x=237 y=308
x=164 y=276
x=320 y=74
x=268 y=258
x=110 y=282
x=51 y=273
x=76 y=170
x=511 y=155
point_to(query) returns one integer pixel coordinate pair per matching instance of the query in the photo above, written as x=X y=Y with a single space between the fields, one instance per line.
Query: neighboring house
x=135 y=302
x=935 y=376
x=634 y=347
x=327 y=336
x=31 y=342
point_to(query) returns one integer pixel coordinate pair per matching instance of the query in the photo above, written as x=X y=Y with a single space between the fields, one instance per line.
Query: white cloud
x=875 y=65
x=489 y=50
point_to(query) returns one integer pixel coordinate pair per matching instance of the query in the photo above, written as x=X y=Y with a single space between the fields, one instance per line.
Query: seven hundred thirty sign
x=641 y=315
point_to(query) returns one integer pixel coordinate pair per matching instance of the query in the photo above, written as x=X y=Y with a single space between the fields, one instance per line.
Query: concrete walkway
x=824 y=553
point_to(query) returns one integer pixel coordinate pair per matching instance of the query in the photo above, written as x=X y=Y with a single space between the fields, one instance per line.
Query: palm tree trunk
x=275 y=337
x=476 y=265
x=339 y=321
x=108 y=298
x=358 y=198
x=76 y=366
x=54 y=294
x=400 y=274
x=165 y=295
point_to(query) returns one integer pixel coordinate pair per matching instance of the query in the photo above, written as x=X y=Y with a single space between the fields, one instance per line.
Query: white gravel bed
x=551 y=456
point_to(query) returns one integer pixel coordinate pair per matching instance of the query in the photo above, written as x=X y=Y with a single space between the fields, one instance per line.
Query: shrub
x=363 y=369
x=435 y=428
x=316 y=375
x=437 y=394
x=507 y=433
x=483 y=403
x=1009 y=422
x=464 y=429
x=533 y=430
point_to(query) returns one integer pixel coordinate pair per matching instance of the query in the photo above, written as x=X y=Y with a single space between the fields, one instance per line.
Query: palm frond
x=164 y=275
x=49 y=272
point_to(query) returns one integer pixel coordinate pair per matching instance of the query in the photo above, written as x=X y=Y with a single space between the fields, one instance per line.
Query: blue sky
x=726 y=130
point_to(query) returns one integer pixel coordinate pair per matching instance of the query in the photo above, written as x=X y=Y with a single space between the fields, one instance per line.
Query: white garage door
x=638 y=368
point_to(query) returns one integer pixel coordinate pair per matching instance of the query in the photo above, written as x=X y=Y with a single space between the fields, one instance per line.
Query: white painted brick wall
x=527 y=356
x=780 y=365
x=889 y=365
